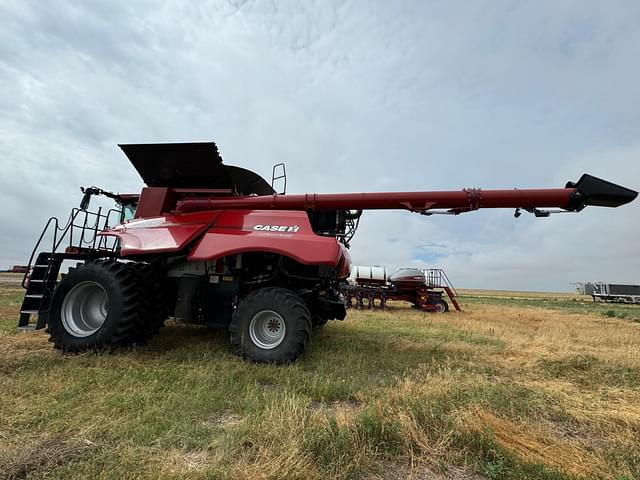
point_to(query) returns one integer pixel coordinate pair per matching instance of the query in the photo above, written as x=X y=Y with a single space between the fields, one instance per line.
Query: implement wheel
x=95 y=306
x=441 y=306
x=271 y=325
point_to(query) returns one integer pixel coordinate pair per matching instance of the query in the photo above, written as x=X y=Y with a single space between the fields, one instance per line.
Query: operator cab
x=128 y=204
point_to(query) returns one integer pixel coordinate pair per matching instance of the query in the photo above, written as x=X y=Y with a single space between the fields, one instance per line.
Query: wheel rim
x=440 y=308
x=84 y=309
x=267 y=329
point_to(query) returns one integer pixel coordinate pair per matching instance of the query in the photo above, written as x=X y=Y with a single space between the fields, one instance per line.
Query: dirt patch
x=380 y=377
x=336 y=405
x=425 y=472
x=223 y=420
x=178 y=462
x=9 y=311
x=267 y=386
x=343 y=411
x=39 y=456
x=346 y=405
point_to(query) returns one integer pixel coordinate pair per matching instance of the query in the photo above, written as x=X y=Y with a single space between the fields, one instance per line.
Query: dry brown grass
x=10 y=279
x=534 y=333
x=521 y=294
x=605 y=414
x=536 y=443
x=36 y=456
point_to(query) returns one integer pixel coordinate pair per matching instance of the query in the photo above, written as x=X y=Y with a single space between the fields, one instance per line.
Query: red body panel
x=286 y=233
x=170 y=233
x=154 y=201
x=229 y=232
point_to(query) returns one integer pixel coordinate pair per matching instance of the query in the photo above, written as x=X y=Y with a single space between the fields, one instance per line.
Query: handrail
x=455 y=292
x=93 y=223
x=35 y=249
x=437 y=277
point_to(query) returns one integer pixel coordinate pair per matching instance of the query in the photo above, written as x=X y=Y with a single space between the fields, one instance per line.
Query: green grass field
x=514 y=387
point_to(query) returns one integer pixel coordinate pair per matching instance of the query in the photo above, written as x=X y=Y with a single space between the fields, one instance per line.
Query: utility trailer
x=425 y=289
x=615 y=292
x=213 y=244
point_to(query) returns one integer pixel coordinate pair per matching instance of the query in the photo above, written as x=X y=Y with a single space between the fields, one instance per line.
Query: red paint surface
x=415 y=201
x=169 y=233
x=230 y=232
x=234 y=232
x=154 y=201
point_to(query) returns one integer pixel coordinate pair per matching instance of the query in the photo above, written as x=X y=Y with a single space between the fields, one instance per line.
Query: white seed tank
x=368 y=275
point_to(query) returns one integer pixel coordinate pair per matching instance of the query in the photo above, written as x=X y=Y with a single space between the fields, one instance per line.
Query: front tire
x=94 y=307
x=271 y=325
x=152 y=295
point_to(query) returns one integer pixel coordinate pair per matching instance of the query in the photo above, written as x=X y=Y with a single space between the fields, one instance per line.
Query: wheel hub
x=439 y=307
x=267 y=329
x=84 y=309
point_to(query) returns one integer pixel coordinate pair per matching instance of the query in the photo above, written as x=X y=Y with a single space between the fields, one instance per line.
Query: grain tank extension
x=214 y=244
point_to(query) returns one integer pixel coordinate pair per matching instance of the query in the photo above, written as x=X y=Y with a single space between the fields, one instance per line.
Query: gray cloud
x=353 y=96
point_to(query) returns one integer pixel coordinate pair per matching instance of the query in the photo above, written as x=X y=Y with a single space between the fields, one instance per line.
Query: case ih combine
x=214 y=244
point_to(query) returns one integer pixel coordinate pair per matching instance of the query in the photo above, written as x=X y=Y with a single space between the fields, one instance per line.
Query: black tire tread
x=443 y=302
x=123 y=335
x=153 y=309
x=292 y=302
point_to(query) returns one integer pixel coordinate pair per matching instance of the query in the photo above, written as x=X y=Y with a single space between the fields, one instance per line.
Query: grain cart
x=214 y=244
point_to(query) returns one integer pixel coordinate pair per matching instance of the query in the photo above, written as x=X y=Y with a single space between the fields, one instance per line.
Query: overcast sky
x=352 y=96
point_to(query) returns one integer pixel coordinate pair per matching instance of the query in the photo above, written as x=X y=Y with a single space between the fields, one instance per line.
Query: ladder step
x=27 y=328
x=29 y=312
x=36 y=280
x=41 y=266
x=34 y=295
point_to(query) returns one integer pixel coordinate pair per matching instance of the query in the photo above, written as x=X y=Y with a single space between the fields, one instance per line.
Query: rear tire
x=95 y=306
x=271 y=325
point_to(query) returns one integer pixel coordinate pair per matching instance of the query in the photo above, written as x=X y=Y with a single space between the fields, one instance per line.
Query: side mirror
x=86 y=199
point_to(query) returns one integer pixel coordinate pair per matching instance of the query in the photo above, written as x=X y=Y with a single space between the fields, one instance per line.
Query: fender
x=170 y=233
x=287 y=233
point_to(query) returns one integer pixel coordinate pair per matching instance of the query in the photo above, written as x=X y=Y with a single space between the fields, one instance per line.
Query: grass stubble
x=504 y=390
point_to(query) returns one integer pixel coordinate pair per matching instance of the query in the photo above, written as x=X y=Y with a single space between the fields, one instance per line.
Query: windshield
x=128 y=212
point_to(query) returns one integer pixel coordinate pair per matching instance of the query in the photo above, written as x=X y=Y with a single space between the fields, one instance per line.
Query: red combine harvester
x=213 y=244
x=424 y=288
